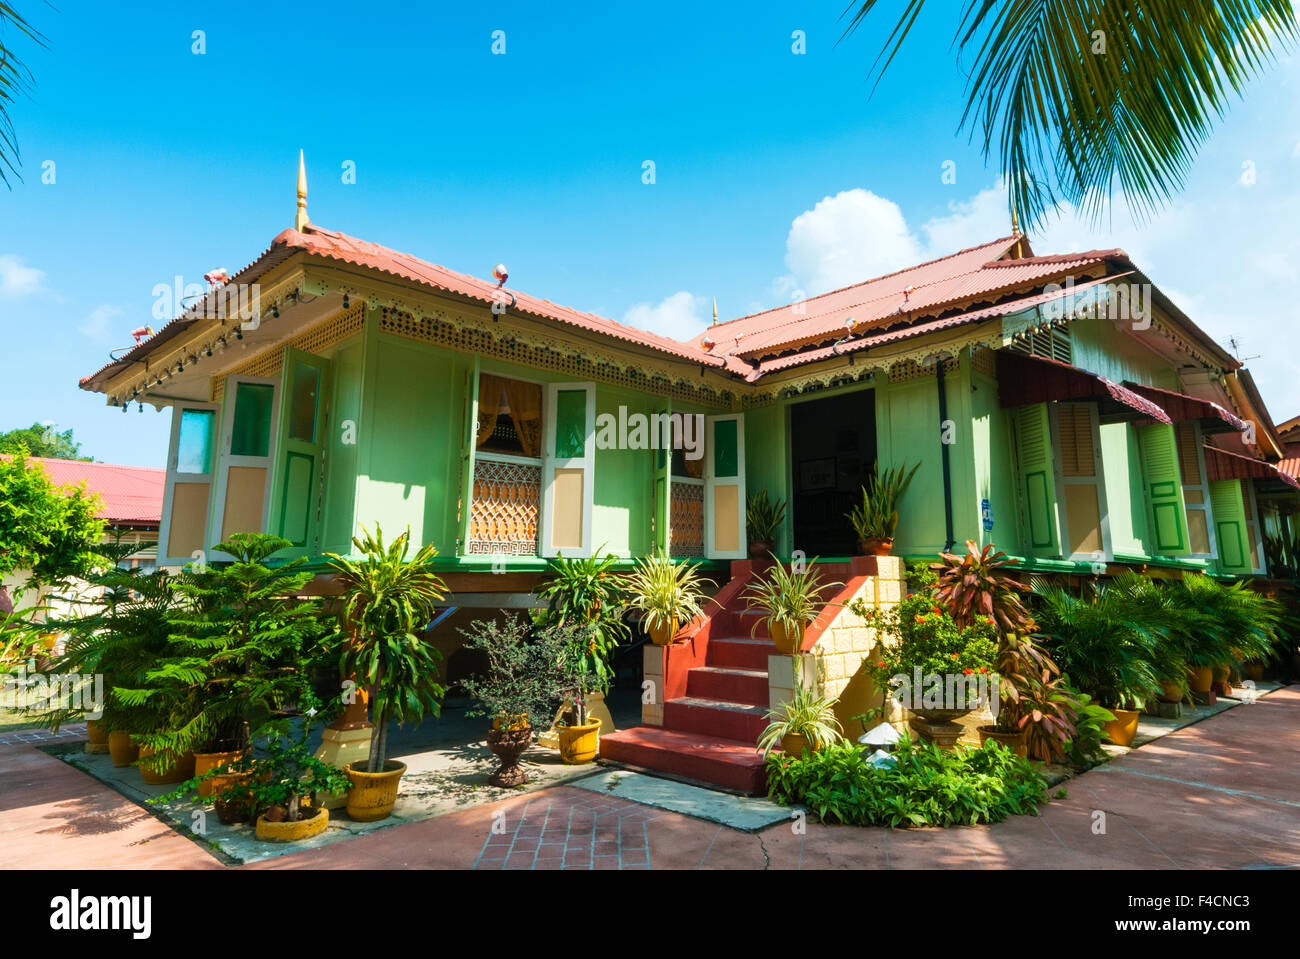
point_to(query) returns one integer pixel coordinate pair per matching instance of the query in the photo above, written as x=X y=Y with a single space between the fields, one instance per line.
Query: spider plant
x=791 y=601
x=668 y=594
x=763 y=518
x=807 y=715
x=876 y=517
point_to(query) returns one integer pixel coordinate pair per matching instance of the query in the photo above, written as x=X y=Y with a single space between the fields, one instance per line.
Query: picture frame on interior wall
x=817 y=474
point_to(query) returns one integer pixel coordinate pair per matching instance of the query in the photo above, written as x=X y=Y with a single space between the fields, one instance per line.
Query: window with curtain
x=509 y=416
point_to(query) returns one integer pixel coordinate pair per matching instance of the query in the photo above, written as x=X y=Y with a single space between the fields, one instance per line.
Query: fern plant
x=235 y=655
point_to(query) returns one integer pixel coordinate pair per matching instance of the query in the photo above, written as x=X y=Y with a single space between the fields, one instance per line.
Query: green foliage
x=282 y=775
x=921 y=577
x=239 y=649
x=1110 y=646
x=1069 y=119
x=14 y=79
x=665 y=592
x=974 y=585
x=42 y=441
x=791 y=600
x=1085 y=746
x=589 y=593
x=924 y=635
x=1221 y=622
x=928 y=786
x=876 y=517
x=763 y=518
x=388 y=601
x=523 y=676
x=806 y=714
x=46 y=529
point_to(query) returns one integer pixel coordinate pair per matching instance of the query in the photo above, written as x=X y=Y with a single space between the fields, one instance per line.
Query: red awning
x=1182 y=408
x=1222 y=465
x=1025 y=379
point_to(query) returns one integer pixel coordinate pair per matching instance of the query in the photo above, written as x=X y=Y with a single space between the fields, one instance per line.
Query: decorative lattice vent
x=503 y=515
x=316 y=339
x=686 y=523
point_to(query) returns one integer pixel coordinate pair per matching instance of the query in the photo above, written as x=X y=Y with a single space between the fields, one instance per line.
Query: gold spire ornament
x=715 y=311
x=300 y=220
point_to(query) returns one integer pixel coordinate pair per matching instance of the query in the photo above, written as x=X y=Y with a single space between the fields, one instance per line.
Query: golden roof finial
x=300 y=218
x=715 y=311
x=1015 y=227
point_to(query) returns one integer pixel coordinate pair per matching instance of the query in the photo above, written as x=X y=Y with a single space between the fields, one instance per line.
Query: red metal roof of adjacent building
x=130 y=494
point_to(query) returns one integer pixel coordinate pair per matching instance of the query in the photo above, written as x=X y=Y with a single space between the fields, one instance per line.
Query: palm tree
x=1076 y=94
x=14 y=78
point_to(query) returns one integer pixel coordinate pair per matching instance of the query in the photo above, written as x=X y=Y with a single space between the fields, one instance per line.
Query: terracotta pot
x=293 y=831
x=663 y=635
x=793 y=744
x=758 y=549
x=788 y=641
x=123 y=751
x=1014 y=741
x=204 y=762
x=1171 y=693
x=508 y=745
x=876 y=546
x=373 y=795
x=1123 y=727
x=579 y=744
x=1200 y=678
x=178 y=771
x=96 y=737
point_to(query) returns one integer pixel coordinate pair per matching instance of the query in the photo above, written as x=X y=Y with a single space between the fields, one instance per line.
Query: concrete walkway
x=1222 y=793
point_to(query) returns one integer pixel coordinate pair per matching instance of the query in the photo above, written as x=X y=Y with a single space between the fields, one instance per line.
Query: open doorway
x=833 y=450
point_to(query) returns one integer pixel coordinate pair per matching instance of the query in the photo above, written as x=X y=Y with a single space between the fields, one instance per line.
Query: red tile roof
x=936 y=286
x=130 y=494
x=1025 y=379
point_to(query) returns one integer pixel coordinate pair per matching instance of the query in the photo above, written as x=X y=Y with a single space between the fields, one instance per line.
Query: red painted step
x=741 y=653
x=714 y=718
x=728 y=684
x=704 y=758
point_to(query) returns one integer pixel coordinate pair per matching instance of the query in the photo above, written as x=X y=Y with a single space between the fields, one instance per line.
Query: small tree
x=387 y=602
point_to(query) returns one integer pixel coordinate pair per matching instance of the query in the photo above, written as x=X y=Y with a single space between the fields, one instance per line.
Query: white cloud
x=17 y=279
x=680 y=316
x=845 y=239
x=98 y=325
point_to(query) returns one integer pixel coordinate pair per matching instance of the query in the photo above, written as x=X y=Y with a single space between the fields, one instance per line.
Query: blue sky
x=775 y=173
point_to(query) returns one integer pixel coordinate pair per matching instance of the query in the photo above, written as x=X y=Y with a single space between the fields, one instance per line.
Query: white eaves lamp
x=882 y=738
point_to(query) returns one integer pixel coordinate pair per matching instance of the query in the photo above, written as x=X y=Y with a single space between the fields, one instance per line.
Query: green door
x=1230 y=526
x=299 y=476
x=1166 y=512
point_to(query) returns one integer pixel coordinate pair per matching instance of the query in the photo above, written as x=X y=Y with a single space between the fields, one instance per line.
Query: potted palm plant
x=763 y=519
x=518 y=689
x=387 y=603
x=875 y=519
x=791 y=601
x=1116 y=657
x=806 y=720
x=668 y=594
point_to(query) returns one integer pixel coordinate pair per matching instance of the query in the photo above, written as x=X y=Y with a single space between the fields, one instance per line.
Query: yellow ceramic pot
x=178 y=771
x=206 y=762
x=1123 y=727
x=373 y=795
x=793 y=744
x=293 y=831
x=788 y=641
x=663 y=635
x=123 y=751
x=96 y=737
x=579 y=744
x=1200 y=678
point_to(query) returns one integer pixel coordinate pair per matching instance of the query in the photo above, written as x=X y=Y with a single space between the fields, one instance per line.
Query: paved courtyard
x=1224 y=792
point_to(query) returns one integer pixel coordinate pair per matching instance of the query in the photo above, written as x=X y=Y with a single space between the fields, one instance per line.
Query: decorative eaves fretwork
x=543 y=350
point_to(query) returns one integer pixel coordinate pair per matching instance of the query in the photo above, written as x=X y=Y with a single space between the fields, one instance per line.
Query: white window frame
x=226 y=460
x=173 y=476
x=551 y=463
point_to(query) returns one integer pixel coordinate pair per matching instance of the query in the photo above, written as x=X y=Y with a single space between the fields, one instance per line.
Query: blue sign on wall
x=986 y=514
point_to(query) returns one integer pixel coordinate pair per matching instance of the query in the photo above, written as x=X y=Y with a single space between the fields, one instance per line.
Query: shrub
x=974 y=586
x=927 y=786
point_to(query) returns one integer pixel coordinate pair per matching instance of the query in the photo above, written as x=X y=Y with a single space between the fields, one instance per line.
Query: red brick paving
x=1222 y=793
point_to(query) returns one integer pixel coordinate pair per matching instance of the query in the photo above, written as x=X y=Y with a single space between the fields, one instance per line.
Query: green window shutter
x=1037 y=478
x=571 y=424
x=1230 y=526
x=1164 y=489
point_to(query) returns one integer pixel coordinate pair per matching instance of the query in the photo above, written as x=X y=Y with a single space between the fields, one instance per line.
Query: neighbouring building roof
x=130 y=494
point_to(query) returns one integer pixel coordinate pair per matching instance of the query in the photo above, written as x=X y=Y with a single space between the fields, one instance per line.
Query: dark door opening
x=833 y=451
